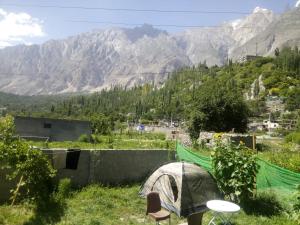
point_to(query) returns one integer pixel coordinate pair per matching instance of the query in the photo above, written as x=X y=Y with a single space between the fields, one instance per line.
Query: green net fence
x=269 y=177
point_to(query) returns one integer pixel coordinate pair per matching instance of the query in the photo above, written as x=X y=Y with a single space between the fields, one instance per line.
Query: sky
x=34 y=22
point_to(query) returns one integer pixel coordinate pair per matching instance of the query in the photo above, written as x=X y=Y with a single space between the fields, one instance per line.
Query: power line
x=127 y=9
x=155 y=25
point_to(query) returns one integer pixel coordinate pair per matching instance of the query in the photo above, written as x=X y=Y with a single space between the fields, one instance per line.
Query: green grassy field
x=97 y=205
x=132 y=140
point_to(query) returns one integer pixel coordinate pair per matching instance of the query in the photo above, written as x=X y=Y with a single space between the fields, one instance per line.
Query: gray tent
x=184 y=188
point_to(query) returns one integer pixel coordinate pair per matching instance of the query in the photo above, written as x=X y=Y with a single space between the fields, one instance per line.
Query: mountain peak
x=136 y=33
x=261 y=10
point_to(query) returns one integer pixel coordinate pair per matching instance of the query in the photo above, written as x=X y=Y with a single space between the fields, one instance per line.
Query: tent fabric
x=269 y=176
x=184 y=188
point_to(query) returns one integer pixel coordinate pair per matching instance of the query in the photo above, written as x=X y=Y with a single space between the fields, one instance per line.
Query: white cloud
x=15 y=28
x=297 y=4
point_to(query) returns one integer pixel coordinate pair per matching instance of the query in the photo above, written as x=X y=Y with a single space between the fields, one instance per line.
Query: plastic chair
x=154 y=209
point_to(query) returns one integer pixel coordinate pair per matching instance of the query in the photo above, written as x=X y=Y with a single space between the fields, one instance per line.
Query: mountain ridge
x=100 y=59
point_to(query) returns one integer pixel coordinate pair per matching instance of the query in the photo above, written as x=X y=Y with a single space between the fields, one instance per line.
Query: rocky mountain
x=282 y=31
x=121 y=56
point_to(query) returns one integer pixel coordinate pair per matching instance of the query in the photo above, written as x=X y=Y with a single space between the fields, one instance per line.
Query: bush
x=295 y=213
x=84 y=138
x=297 y=204
x=264 y=204
x=293 y=137
x=30 y=167
x=235 y=169
x=63 y=189
x=286 y=158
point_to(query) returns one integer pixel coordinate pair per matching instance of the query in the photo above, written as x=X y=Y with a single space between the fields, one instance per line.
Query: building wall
x=60 y=130
x=102 y=166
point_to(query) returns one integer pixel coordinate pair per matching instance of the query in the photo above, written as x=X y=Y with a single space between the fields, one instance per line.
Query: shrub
x=30 y=166
x=297 y=204
x=84 y=138
x=235 y=169
x=286 y=158
x=293 y=137
x=63 y=189
x=295 y=213
x=96 y=139
x=264 y=204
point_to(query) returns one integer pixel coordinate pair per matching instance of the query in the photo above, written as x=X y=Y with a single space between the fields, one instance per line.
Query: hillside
x=176 y=97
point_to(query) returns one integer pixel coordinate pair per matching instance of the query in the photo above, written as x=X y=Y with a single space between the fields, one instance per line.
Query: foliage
x=285 y=155
x=176 y=99
x=219 y=108
x=293 y=137
x=293 y=99
x=295 y=213
x=84 y=138
x=257 y=107
x=297 y=205
x=63 y=190
x=265 y=203
x=235 y=169
x=102 y=124
x=29 y=166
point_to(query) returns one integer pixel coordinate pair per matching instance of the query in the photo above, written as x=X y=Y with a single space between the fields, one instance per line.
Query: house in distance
x=51 y=129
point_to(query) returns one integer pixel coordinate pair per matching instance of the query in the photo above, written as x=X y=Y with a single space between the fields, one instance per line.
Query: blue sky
x=42 y=24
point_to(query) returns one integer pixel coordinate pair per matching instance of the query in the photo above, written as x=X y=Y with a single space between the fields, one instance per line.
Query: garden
x=37 y=200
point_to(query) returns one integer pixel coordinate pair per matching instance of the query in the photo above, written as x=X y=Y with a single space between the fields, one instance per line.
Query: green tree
x=29 y=166
x=101 y=124
x=293 y=99
x=218 y=108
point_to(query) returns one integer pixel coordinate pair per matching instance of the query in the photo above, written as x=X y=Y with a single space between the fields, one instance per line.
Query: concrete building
x=271 y=125
x=51 y=129
x=248 y=58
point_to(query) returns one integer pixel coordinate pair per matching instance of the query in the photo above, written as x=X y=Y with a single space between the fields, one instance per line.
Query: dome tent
x=184 y=188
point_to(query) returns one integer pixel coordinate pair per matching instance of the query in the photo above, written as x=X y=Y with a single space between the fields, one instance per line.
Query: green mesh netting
x=275 y=177
x=269 y=177
x=186 y=155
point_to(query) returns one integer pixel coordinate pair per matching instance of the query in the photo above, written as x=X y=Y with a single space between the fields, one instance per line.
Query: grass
x=286 y=155
x=132 y=140
x=97 y=205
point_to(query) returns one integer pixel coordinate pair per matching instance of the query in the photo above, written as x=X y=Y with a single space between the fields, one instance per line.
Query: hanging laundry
x=72 y=158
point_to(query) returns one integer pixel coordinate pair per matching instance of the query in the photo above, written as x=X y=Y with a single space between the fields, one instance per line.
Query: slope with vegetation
x=188 y=94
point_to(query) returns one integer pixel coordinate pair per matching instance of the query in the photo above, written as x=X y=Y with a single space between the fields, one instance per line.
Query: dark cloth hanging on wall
x=72 y=158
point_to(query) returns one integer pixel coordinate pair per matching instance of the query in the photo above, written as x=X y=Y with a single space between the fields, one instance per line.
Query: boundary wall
x=111 y=167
